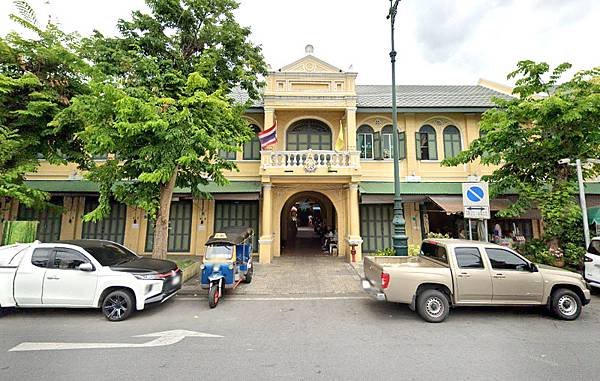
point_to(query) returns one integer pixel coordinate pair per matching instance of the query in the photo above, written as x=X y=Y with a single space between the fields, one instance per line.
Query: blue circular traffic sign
x=475 y=194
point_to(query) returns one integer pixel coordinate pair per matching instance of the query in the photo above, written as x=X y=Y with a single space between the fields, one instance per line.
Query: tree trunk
x=161 y=226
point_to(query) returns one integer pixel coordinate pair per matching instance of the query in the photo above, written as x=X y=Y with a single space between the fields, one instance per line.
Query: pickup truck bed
x=411 y=268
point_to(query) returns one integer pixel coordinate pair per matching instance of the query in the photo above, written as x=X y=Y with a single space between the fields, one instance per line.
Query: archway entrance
x=308 y=225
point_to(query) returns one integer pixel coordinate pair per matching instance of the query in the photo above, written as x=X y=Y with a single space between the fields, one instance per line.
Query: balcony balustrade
x=310 y=161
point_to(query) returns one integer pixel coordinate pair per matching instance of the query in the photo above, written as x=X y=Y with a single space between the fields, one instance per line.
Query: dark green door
x=237 y=213
x=180 y=228
x=111 y=228
x=50 y=220
x=376 y=226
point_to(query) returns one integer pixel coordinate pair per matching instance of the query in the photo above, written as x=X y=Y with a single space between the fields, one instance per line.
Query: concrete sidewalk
x=295 y=275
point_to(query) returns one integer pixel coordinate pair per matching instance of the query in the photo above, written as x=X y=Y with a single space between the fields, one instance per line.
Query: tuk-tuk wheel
x=248 y=276
x=213 y=296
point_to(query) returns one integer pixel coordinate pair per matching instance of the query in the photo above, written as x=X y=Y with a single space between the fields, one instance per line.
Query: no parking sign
x=476 y=200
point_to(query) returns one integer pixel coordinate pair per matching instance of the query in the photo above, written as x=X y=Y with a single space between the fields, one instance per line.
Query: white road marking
x=283 y=298
x=162 y=339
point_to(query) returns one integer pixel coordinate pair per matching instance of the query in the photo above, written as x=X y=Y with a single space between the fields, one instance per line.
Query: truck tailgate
x=7 y=277
x=373 y=272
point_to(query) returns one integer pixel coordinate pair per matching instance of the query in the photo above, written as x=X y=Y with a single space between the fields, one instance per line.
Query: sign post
x=476 y=204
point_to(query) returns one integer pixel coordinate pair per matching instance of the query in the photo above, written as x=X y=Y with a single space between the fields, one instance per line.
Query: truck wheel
x=213 y=296
x=249 y=274
x=433 y=306
x=118 y=305
x=565 y=304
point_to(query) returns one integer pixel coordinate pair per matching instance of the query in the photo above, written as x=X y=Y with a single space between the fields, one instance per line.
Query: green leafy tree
x=160 y=103
x=526 y=136
x=38 y=77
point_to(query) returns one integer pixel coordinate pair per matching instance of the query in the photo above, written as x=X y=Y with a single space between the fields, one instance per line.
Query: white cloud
x=438 y=41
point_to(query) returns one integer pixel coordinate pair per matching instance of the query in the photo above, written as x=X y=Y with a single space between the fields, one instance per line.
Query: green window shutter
x=452 y=144
x=401 y=145
x=180 y=228
x=237 y=213
x=432 y=144
x=377 y=146
x=48 y=229
x=418 y=144
x=111 y=228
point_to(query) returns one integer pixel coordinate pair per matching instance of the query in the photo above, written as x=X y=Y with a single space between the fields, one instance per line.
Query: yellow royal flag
x=339 y=143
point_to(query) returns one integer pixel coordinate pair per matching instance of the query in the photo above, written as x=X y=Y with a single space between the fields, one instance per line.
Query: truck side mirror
x=533 y=268
x=86 y=267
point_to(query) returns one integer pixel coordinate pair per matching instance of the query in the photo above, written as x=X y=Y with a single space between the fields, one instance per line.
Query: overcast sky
x=438 y=41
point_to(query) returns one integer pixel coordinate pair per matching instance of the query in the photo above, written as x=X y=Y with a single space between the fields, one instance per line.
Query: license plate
x=176 y=280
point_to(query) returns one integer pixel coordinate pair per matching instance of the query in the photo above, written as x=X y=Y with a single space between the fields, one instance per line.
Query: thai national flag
x=268 y=137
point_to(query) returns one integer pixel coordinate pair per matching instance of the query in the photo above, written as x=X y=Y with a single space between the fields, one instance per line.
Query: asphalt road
x=320 y=339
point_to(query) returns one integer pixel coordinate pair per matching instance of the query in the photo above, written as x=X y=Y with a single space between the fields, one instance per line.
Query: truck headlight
x=148 y=276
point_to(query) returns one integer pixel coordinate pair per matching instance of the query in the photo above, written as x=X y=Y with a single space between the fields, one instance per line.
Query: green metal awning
x=593 y=214
x=232 y=187
x=377 y=187
x=85 y=186
x=438 y=188
x=592 y=188
x=63 y=186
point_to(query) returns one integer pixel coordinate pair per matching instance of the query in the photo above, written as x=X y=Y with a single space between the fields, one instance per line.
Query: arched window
x=308 y=133
x=387 y=143
x=426 y=143
x=452 y=144
x=364 y=141
x=252 y=147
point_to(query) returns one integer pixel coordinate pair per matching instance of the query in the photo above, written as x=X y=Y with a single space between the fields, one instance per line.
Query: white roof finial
x=309 y=49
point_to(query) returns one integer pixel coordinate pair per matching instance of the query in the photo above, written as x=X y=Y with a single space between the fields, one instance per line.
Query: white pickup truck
x=84 y=274
x=451 y=273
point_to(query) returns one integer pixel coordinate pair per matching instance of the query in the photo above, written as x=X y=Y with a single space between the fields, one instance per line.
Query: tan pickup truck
x=451 y=273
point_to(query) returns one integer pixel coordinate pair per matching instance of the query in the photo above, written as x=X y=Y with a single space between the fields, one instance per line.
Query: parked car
x=592 y=263
x=451 y=273
x=83 y=274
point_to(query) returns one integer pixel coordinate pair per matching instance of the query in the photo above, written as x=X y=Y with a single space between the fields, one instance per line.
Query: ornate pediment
x=310 y=64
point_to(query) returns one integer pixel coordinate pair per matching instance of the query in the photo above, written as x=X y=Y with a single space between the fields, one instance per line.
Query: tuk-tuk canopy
x=230 y=235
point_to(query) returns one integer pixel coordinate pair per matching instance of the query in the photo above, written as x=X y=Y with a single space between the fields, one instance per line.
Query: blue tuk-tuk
x=227 y=262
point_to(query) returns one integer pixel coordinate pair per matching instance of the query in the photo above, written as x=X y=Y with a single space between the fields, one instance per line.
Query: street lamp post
x=399 y=237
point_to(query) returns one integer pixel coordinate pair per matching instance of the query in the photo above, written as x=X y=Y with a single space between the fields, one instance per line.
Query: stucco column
x=354 y=220
x=265 y=243
x=351 y=128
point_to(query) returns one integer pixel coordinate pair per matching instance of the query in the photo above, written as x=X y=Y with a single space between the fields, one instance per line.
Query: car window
x=594 y=247
x=434 y=251
x=505 y=260
x=68 y=259
x=468 y=258
x=40 y=257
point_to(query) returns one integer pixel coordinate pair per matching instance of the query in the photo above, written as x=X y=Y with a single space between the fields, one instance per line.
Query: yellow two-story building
x=302 y=181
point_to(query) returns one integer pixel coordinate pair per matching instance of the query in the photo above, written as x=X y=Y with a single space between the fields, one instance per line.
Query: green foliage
x=536 y=250
x=38 y=78
x=387 y=252
x=413 y=251
x=160 y=102
x=437 y=235
x=548 y=120
x=19 y=232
